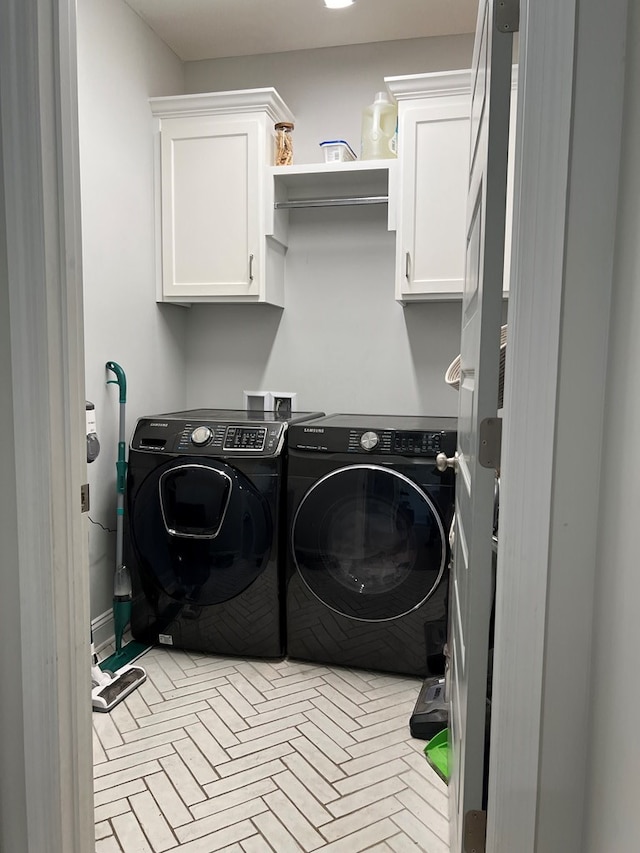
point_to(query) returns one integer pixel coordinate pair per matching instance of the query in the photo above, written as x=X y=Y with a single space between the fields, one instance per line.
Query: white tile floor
x=247 y=756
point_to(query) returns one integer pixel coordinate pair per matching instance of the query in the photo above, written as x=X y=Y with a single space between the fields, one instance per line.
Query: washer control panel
x=208 y=439
x=245 y=438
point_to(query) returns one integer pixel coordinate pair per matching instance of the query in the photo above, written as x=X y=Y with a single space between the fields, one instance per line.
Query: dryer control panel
x=379 y=435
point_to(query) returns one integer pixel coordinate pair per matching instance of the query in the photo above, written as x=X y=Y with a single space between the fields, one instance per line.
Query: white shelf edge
x=310 y=169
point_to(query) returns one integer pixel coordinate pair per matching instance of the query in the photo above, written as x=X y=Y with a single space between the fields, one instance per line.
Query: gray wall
x=328 y=88
x=341 y=342
x=13 y=816
x=121 y=64
x=613 y=818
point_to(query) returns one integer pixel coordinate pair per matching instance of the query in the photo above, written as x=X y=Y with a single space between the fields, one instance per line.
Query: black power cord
x=106 y=529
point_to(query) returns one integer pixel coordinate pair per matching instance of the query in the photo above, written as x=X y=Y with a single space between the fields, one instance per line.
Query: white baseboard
x=103 y=630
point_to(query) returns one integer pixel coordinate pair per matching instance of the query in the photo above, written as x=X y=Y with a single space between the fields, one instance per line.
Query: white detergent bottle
x=379 y=128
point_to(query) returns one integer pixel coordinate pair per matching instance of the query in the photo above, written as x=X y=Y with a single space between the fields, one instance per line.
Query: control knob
x=201 y=435
x=369 y=440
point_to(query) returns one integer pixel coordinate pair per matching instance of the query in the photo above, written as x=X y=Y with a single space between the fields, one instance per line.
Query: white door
x=471 y=582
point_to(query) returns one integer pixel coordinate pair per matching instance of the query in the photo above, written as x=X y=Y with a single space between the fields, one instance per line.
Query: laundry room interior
x=342 y=342
x=215 y=750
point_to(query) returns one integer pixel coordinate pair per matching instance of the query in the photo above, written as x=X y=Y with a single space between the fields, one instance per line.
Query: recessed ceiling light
x=337 y=4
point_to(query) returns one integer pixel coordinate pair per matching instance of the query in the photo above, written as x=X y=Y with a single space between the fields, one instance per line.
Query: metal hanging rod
x=331 y=202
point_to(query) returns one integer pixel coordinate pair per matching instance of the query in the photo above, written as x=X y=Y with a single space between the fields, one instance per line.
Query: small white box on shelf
x=337 y=151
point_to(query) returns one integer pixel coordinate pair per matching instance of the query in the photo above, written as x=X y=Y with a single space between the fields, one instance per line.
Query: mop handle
x=121 y=465
x=120 y=380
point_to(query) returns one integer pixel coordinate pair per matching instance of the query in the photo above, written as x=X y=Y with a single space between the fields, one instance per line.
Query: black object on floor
x=430 y=714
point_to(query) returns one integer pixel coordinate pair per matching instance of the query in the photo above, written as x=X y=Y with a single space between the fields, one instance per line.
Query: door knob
x=443 y=462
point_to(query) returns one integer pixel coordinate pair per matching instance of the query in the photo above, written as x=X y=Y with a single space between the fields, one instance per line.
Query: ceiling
x=210 y=29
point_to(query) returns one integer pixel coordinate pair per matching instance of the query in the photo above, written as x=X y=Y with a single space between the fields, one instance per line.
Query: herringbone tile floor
x=247 y=756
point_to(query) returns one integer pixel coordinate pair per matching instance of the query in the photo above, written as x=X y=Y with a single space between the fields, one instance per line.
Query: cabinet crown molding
x=435 y=83
x=265 y=100
x=429 y=85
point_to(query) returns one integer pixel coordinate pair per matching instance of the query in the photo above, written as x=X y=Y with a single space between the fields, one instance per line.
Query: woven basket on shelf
x=452 y=376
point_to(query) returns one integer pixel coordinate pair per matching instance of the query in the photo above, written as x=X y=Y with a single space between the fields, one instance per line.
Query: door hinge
x=506 y=16
x=84 y=497
x=474 y=834
x=490 y=443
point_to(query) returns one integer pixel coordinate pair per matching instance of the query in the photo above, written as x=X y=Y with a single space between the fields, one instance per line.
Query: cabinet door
x=434 y=156
x=211 y=202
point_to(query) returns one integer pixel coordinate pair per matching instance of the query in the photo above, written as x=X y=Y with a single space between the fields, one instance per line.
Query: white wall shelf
x=351 y=183
x=323 y=180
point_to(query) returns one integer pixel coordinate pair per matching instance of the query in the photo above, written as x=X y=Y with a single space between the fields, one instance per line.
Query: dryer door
x=201 y=530
x=369 y=543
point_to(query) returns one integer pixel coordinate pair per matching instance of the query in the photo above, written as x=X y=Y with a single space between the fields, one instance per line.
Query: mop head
x=127 y=654
x=437 y=753
x=109 y=689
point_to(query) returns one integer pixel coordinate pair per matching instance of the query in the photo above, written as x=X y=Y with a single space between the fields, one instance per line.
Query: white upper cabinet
x=433 y=153
x=222 y=207
x=214 y=154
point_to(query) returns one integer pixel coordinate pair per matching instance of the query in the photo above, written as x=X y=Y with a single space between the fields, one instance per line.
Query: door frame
x=45 y=738
x=569 y=119
x=47 y=380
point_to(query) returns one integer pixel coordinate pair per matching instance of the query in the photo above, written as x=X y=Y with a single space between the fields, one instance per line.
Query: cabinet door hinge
x=506 y=16
x=84 y=497
x=490 y=443
x=474 y=835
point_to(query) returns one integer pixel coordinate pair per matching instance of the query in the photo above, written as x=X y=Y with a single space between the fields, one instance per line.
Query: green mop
x=124 y=677
x=437 y=753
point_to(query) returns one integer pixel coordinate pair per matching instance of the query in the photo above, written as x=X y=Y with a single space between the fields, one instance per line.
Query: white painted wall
x=121 y=64
x=613 y=746
x=342 y=342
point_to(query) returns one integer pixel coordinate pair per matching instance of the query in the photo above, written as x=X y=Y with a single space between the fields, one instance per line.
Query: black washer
x=203 y=524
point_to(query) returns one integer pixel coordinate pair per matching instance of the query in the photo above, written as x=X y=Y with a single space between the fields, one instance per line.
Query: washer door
x=201 y=531
x=368 y=542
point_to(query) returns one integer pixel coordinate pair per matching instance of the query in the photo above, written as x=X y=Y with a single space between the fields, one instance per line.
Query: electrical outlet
x=258 y=401
x=284 y=402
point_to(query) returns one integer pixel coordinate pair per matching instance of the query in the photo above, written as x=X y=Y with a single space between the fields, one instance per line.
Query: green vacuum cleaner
x=117 y=677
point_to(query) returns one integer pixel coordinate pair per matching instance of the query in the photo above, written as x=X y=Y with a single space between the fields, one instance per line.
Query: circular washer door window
x=201 y=531
x=368 y=542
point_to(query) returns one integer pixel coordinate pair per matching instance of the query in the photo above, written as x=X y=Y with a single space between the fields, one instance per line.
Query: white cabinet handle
x=250 y=267
x=407 y=265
